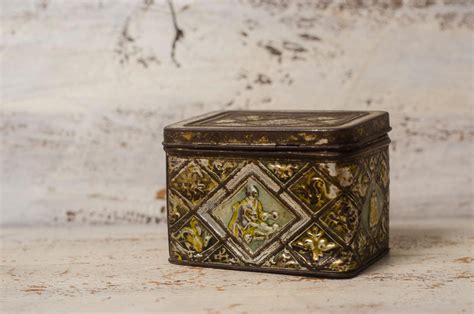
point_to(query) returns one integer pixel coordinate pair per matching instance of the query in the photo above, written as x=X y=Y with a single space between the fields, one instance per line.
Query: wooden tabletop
x=125 y=268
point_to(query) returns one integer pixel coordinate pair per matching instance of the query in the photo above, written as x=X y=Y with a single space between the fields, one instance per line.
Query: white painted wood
x=125 y=268
x=87 y=86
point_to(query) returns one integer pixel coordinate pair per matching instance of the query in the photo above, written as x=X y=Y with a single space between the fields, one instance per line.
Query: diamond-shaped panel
x=372 y=209
x=253 y=215
x=193 y=183
x=314 y=246
x=174 y=163
x=343 y=173
x=283 y=171
x=223 y=256
x=342 y=218
x=361 y=183
x=342 y=261
x=194 y=238
x=372 y=162
x=176 y=207
x=383 y=172
x=222 y=168
x=283 y=259
x=383 y=233
x=314 y=190
x=361 y=243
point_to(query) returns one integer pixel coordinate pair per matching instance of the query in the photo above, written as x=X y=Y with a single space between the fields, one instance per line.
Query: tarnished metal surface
x=286 y=130
x=291 y=212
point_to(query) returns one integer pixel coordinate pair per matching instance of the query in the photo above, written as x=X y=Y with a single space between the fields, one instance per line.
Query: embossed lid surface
x=308 y=130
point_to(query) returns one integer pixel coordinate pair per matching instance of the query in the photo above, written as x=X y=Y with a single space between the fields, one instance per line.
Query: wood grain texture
x=125 y=268
x=87 y=87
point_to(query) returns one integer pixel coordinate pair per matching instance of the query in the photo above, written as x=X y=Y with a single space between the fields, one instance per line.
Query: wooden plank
x=87 y=86
x=125 y=268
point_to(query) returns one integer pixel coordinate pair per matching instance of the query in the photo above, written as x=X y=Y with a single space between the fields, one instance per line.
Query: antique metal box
x=300 y=192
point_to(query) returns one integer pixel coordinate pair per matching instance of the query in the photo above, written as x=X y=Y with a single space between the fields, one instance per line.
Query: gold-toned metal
x=344 y=261
x=252 y=216
x=177 y=209
x=283 y=259
x=283 y=171
x=193 y=183
x=348 y=200
x=310 y=129
x=313 y=244
x=316 y=213
x=193 y=238
x=221 y=168
x=373 y=210
x=342 y=218
x=249 y=220
x=313 y=190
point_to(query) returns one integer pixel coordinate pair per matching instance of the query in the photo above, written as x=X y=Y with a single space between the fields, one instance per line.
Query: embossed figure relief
x=254 y=212
x=249 y=219
x=292 y=192
x=253 y=215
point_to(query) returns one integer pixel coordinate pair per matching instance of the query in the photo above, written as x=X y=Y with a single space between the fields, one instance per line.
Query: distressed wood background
x=87 y=87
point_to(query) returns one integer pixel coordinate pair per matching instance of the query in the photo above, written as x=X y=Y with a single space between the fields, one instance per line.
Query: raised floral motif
x=283 y=171
x=177 y=208
x=313 y=245
x=194 y=237
x=174 y=163
x=283 y=259
x=314 y=190
x=361 y=183
x=223 y=256
x=248 y=212
x=193 y=183
x=221 y=168
x=384 y=177
x=343 y=261
x=343 y=219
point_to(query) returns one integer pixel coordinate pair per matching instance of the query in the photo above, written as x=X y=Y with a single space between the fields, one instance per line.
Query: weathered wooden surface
x=125 y=268
x=87 y=86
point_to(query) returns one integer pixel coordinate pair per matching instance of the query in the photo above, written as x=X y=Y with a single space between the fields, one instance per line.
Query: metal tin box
x=300 y=192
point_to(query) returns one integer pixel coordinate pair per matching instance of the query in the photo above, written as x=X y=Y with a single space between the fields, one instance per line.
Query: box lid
x=282 y=130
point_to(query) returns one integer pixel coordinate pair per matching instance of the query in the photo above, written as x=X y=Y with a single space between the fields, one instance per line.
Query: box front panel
x=278 y=214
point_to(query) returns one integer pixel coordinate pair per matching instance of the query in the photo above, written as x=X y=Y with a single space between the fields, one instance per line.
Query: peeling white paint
x=87 y=87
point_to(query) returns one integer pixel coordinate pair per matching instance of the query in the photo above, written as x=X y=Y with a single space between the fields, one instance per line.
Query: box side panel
x=295 y=214
x=371 y=189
